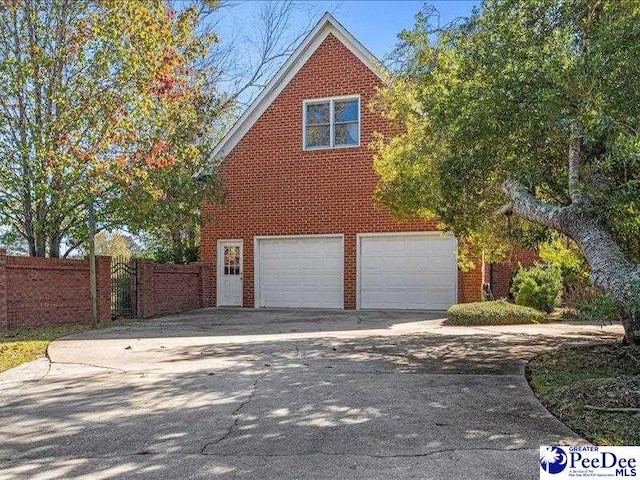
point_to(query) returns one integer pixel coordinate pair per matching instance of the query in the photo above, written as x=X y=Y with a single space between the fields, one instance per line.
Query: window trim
x=331 y=101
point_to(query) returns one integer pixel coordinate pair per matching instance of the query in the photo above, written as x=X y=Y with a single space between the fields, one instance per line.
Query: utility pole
x=92 y=263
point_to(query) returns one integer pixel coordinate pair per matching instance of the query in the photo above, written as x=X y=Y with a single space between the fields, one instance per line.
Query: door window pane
x=231 y=260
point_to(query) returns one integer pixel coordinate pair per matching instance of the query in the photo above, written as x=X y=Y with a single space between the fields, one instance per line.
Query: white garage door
x=305 y=272
x=408 y=272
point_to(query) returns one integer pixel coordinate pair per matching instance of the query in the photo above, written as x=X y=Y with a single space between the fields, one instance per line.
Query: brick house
x=298 y=227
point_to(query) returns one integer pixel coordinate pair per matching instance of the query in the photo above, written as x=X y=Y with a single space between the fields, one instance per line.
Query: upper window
x=333 y=122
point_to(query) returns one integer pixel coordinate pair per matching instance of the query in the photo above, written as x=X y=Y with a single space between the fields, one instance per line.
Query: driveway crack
x=265 y=456
x=52 y=362
x=236 y=415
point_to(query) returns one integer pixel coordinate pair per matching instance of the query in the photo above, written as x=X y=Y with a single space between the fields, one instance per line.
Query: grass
x=21 y=345
x=577 y=383
x=496 y=312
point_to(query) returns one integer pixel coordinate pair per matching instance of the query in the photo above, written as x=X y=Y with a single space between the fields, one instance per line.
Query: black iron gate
x=124 y=287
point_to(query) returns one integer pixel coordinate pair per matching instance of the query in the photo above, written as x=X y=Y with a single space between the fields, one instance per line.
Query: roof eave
x=327 y=25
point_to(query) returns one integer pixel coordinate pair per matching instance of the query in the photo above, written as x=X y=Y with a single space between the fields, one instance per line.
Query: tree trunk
x=610 y=270
x=177 y=246
x=32 y=246
x=54 y=245
x=40 y=245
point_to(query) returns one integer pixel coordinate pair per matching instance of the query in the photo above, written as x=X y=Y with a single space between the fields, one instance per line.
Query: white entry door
x=407 y=271
x=229 y=273
x=300 y=272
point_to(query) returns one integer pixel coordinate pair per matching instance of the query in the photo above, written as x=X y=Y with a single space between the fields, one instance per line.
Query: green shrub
x=600 y=308
x=498 y=312
x=566 y=256
x=604 y=309
x=538 y=287
x=632 y=306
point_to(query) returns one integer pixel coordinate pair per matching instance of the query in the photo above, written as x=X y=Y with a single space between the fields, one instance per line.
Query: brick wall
x=470 y=282
x=498 y=275
x=274 y=187
x=164 y=289
x=47 y=291
x=4 y=318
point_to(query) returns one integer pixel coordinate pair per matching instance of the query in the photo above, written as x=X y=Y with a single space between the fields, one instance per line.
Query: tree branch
x=525 y=205
x=609 y=267
x=506 y=209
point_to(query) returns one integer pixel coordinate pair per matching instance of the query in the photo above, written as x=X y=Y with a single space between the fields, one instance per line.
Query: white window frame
x=331 y=101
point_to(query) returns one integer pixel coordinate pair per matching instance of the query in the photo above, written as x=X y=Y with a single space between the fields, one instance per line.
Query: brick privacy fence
x=49 y=291
x=166 y=289
x=470 y=283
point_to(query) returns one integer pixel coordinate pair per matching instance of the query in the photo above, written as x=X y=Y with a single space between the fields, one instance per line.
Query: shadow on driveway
x=365 y=396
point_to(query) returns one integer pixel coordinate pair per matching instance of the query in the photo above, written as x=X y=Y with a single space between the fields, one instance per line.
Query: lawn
x=22 y=345
x=595 y=390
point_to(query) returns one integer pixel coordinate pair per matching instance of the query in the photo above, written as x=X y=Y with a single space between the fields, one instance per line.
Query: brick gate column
x=4 y=320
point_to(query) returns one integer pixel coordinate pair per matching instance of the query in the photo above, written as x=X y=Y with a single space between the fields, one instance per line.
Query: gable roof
x=326 y=26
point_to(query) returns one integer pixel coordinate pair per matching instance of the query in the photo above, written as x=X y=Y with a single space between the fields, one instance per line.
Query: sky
x=376 y=23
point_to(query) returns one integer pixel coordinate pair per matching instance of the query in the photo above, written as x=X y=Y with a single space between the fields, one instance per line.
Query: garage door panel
x=300 y=272
x=421 y=263
x=270 y=264
x=443 y=283
x=418 y=282
x=397 y=280
x=407 y=272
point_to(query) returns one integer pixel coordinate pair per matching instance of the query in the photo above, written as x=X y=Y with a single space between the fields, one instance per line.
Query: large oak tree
x=529 y=109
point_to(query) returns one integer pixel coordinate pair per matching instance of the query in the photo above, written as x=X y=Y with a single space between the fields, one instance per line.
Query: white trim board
x=326 y=26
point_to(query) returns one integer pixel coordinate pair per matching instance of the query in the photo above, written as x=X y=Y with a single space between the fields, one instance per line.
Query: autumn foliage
x=91 y=107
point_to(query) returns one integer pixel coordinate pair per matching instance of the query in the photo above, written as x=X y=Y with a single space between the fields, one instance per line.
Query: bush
x=538 y=287
x=604 y=309
x=632 y=306
x=566 y=256
x=600 y=308
x=498 y=312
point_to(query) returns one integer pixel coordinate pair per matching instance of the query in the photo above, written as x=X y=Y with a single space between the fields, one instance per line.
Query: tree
x=168 y=215
x=84 y=83
x=527 y=109
x=115 y=245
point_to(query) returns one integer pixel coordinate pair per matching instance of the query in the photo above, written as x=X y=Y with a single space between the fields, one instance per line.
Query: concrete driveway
x=247 y=394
